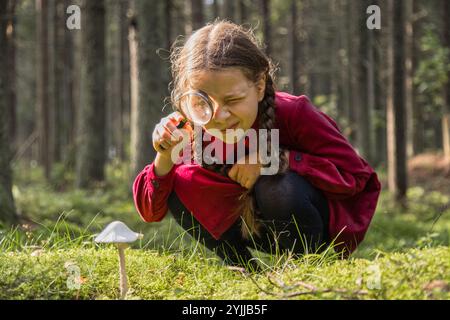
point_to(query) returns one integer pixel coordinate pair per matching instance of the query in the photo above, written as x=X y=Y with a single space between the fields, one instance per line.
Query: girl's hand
x=245 y=174
x=166 y=135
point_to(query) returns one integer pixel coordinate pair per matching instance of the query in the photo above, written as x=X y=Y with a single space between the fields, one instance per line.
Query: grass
x=52 y=274
x=405 y=255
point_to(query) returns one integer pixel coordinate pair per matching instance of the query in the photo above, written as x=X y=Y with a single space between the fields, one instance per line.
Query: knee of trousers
x=279 y=196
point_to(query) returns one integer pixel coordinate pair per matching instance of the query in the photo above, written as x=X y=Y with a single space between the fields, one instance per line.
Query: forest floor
x=405 y=255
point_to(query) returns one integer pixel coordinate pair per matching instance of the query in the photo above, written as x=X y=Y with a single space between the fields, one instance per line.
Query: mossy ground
x=405 y=255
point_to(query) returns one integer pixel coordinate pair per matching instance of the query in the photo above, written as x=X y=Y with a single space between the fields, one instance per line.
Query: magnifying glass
x=195 y=106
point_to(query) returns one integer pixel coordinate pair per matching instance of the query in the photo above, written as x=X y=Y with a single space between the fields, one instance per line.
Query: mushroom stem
x=122 y=271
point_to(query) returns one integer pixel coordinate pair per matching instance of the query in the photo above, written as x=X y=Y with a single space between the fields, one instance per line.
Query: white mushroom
x=118 y=233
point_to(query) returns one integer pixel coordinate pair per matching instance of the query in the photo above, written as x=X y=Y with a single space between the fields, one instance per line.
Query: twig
x=311 y=289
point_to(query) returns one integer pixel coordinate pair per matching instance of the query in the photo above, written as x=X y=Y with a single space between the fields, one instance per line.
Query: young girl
x=323 y=191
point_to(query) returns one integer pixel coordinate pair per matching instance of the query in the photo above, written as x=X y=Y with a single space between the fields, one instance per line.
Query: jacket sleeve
x=323 y=154
x=150 y=193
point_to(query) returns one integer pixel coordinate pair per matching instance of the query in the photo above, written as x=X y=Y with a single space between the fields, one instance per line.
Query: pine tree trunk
x=353 y=53
x=230 y=10
x=295 y=85
x=197 y=14
x=360 y=83
x=146 y=76
x=168 y=22
x=343 y=99
x=409 y=77
x=380 y=93
x=7 y=208
x=417 y=112
x=265 y=10
x=396 y=133
x=124 y=78
x=68 y=99
x=446 y=117
x=243 y=11
x=58 y=76
x=370 y=92
x=11 y=69
x=216 y=8
x=179 y=17
x=43 y=94
x=91 y=144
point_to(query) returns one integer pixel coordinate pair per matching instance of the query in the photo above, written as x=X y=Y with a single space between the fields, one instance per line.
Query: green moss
x=152 y=275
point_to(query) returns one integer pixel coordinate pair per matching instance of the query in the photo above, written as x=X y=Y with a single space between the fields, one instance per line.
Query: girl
x=323 y=191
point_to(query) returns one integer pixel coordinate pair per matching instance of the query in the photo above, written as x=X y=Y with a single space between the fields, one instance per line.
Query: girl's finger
x=165 y=144
x=232 y=172
x=164 y=134
x=241 y=177
x=173 y=131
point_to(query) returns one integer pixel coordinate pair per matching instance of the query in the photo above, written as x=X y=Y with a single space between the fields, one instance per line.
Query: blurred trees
x=7 y=208
x=146 y=85
x=396 y=111
x=91 y=133
x=446 y=45
x=43 y=87
x=79 y=99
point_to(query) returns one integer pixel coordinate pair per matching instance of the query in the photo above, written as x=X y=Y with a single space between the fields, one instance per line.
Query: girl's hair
x=219 y=45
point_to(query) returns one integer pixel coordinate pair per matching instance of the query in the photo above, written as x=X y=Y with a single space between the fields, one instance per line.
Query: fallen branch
x=311 y=289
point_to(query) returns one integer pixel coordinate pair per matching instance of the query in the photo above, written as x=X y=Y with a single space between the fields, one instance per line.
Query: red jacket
x=318 y=151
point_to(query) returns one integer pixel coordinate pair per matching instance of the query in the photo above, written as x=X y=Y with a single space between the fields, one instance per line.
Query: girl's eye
x=234 y=101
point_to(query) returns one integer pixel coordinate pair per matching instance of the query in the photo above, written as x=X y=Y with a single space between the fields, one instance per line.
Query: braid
x=248 y=208
x=247 y=205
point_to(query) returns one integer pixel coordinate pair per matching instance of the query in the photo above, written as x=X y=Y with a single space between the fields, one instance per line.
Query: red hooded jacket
x=318 y=151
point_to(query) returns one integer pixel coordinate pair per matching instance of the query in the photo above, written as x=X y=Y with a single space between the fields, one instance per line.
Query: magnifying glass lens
x=198 y=109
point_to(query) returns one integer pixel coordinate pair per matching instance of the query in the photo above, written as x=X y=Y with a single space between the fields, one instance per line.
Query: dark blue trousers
x=294 y=216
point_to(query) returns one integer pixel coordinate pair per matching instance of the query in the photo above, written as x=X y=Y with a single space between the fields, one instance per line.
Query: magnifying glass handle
x=179 y=126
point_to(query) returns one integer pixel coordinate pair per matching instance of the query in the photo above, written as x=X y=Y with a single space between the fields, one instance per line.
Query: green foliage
x=407 y=251
x=431 y=73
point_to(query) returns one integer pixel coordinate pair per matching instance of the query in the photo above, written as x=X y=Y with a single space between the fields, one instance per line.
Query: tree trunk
x=417 y=112
x=409 y=76
x=371 y=90
x=243 y=11
x=145 y=83
x=265 y=11
x=68 y=99
x=179 y=17
x=230 y=10
x=360 y=83
x=120 y=104
x=43 y=94
x=295 y=83
x=379 y=119
x=91 y=153
x=396 y=134
x=168 y=22
x=446 y=117
x=7 y=208
x=216 y=9
x=343 y=101
x=352 y=28
x=197 y=14
x=58 y=80
x=11 y=69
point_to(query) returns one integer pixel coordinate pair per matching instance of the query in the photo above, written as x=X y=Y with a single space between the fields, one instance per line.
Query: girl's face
x=235 y=99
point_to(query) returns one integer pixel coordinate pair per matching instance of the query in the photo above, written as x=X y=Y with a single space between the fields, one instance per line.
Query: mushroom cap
x=117 y=232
